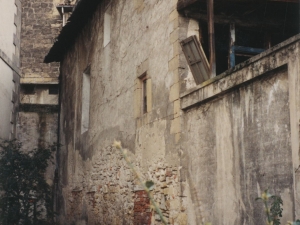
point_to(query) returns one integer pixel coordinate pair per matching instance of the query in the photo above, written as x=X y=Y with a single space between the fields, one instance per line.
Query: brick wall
x=142 y=212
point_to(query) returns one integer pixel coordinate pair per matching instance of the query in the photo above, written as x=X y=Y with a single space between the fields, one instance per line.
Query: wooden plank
x=223 y=19
x=196 y=59
x=211 y=36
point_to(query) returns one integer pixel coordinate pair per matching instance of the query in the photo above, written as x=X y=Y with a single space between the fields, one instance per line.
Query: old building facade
x=38 y=110
x=9 y=66
x=37 y=123
x=210 y=149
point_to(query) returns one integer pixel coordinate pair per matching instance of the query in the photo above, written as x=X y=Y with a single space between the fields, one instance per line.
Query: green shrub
x=26 y=198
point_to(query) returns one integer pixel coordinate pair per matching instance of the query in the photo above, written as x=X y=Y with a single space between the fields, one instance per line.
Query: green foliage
x=276 y=209
x=149 y=184
x=26 y=198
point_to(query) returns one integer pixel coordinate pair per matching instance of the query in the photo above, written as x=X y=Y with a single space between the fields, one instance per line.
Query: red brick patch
x=142 y=212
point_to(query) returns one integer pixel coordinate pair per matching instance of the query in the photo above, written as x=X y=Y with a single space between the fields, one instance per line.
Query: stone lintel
x=39 y=80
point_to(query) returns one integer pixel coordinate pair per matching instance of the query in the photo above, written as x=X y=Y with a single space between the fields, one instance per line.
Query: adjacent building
x=141 y=72
x=38 y=110
x=9 y=66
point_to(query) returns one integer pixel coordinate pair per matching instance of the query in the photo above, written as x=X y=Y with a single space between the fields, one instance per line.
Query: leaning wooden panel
x=196 y=59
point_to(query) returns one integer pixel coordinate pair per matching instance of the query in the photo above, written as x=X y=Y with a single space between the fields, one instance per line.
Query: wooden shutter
x=196 y=59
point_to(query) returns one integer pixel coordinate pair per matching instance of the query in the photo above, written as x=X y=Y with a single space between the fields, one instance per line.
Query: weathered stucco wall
x=210 y=149
x=241 y=138
x=97 y=185
x=38 y=129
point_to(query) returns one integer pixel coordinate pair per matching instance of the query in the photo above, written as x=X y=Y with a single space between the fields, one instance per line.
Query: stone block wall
x=41 y=24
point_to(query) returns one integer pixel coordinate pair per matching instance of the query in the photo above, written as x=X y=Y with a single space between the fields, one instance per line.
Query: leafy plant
x=26 y=197
x=275 y=211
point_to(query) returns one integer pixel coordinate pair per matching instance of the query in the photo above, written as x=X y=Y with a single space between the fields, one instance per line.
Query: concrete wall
x=9 y=66
x=210 y=149
x=241 y=138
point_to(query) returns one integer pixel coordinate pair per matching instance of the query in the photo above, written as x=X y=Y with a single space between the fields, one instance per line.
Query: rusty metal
x=211 y=35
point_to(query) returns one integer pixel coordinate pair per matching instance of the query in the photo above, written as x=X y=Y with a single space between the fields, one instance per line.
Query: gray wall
x=242 y=138
x=9 y=66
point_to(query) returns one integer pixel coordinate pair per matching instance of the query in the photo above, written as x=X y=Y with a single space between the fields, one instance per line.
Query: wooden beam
x=185 y=3
x=223 y=19
x=211 y=35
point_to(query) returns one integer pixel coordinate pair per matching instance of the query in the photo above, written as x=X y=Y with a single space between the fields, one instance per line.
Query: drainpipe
x=211 y=35
x=63 y=15
x=57 y=163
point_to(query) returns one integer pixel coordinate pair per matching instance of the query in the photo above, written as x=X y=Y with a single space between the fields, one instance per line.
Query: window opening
x=65 y=11
x=256 y=25
x=53 y=90
x=145 y=94
x=85 y=110
x=144 y=87
x=28 y=89
x=107 y=19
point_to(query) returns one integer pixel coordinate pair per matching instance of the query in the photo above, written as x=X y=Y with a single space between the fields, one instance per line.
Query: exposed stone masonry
x=41 y=23
x=111 y=188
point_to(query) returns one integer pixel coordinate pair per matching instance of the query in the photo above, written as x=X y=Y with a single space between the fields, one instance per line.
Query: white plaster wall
x=6 y=106
x=7 y=27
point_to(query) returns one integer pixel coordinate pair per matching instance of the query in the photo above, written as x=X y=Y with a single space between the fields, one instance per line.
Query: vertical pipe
x=231 y=59
x=63 y=14
x=211 y=35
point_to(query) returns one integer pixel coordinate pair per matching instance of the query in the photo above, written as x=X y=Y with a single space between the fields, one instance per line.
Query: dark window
x=28 y=89
x=144 y=96
x=53 y=90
